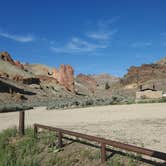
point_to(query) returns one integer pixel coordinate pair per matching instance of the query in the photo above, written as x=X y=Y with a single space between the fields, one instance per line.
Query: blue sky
x=94 y=36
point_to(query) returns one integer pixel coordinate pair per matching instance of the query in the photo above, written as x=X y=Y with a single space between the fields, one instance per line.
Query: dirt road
x=140 y=124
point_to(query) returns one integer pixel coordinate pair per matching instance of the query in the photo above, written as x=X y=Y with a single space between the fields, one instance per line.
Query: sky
x=93 y=36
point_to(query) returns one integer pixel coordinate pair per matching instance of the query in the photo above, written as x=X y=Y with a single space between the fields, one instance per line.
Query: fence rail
x=103 y=142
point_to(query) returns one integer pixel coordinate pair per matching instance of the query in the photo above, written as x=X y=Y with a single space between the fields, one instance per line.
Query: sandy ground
x=140 y=124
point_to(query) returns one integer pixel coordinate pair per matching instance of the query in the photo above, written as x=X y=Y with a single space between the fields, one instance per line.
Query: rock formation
x=65 y=76
x=144 y=73
x=6 y=57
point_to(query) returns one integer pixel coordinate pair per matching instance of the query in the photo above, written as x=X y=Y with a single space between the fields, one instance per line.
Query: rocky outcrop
x=6 y=57
x=144 y=73
x=65 y=76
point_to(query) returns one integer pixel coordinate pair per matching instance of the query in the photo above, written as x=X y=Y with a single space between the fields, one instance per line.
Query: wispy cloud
x=93 y=40
x=18 y=38
x=141 y=44
x=104 y=30
x=77 y=45
x=101 y=35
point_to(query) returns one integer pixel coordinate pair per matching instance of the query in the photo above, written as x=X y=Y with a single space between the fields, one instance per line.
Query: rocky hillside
x=146 y=74
x=36 y=83
x=14 y=70
x=32 y=83
x=102 y=79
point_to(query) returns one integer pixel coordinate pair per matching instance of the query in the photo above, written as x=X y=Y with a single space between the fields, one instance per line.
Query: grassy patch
x=42 y=151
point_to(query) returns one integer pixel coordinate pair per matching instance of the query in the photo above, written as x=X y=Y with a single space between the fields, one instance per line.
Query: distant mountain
x=95 y=84
x=104 y=78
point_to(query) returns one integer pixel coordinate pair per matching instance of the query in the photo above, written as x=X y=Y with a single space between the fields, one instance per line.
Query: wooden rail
x=103 y=142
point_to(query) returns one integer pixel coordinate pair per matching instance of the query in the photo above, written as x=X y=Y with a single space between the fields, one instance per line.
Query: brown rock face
x=65 y=76
x=144 y=73
x=6 y=57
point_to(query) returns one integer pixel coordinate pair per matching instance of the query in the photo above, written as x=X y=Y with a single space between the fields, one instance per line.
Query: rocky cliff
x=36 y=73
x=65 y=76
x=145 y=73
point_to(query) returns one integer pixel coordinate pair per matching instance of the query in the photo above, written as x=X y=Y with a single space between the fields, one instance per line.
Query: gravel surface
x=140 y=124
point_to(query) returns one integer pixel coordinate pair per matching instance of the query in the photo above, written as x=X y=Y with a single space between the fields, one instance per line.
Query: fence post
x=35 y=130
x=103 y=152
x=60 y=143
x=22 y=123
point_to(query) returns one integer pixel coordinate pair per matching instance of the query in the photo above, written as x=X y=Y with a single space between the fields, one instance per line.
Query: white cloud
x=103 y=30
x=98 y=38
x=141 y=44
x=77 y=45
x=18 y=38
x=101 y=35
